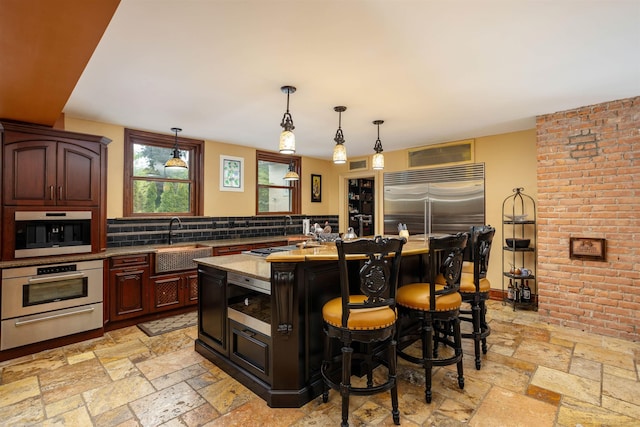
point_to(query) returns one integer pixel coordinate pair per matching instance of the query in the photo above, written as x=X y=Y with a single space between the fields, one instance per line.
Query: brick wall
x=589 y=186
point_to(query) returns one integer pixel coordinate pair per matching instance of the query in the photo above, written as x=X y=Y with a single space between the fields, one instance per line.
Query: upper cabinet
x=47 y=167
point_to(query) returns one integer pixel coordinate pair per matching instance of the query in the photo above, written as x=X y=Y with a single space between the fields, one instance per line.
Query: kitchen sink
x=175 y=258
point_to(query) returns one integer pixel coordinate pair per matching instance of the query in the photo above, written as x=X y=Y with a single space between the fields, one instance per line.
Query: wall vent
x=458 y=173
x=442 y=154
x=358 y=165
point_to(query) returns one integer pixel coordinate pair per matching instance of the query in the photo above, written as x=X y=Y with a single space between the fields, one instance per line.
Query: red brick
x=593 y=196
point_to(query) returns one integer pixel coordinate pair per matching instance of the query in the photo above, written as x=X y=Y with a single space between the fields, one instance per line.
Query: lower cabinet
x=174 y=290
x=128 y=287
x=212 y=309
x=250 y=349
x=133 y=293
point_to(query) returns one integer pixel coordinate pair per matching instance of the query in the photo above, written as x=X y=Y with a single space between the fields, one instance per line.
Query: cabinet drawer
x=230 y=250
x=251 y=350
x=269 y=244
x=125 y=261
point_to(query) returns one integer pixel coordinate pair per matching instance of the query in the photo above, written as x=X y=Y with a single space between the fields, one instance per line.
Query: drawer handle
x=55 y=316
x=59 y=278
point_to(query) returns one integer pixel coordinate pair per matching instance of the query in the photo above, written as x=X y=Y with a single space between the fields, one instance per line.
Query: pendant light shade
x=175 y=162
x=339 y=151
x=378 y=158
x=287 y=138
x=291 y=175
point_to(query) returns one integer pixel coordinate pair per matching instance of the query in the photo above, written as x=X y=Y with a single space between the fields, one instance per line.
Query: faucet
x=174 y=219
x=287 y=217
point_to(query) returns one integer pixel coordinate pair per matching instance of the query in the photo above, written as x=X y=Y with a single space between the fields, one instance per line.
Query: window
x=274 y=194
x=148 y=189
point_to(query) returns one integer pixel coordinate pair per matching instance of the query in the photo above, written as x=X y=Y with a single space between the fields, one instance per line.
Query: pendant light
x=378 y=158
x=175 y=162
x=291 y=175
x=287 y=138
x=339 y=151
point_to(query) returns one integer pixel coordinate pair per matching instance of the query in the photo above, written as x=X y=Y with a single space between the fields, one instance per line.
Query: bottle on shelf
x=526 y=292
x=510 y=291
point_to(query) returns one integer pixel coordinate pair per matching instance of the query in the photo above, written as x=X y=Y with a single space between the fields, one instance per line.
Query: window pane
x=160 y=196
x=272 y=173
x=149 y=160
x=274 y=199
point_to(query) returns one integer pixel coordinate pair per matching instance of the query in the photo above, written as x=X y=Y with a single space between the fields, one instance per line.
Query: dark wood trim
x=196 y=171
x=296 y=202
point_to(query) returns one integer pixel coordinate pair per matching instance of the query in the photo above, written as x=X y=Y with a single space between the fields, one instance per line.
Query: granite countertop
x=260 y=268
x=328 y=252
x=254 y=266
x=247 y=265
x=144 y=249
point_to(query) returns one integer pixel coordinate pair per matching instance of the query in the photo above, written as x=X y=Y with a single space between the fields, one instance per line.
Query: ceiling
x=434 y=71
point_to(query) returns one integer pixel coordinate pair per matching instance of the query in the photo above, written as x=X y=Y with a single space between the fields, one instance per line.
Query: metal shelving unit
x=519 y=263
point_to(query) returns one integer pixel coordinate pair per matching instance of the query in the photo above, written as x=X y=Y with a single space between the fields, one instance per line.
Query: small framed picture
x=316 y=188
x=231 y=173
x=587 y=248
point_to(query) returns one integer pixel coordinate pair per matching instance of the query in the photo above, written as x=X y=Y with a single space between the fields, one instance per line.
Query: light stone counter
x=259 y=267
x=142 y=249
x=248 y=265
x=328 y=252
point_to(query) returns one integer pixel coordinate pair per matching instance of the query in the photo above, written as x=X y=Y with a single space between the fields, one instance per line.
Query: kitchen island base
x=273 y=398
x=277 y=354
x=261 y=321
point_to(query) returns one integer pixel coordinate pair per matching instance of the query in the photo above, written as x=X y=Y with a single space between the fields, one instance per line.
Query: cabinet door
x=166 y=292
x=78 y=179
x=30 y=173
x=128 y=293
x=190 y=281
x=212 y=307
x=45 y=173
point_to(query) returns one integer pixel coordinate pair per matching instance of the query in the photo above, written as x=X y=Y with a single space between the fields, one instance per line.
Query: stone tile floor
x=534 y=374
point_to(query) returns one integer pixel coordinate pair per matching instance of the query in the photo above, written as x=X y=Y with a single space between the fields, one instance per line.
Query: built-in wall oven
x=46 y=233
x=249 y=313
x=50 y=301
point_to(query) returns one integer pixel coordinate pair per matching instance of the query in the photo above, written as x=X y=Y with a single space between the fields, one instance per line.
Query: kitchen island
x=260 y=319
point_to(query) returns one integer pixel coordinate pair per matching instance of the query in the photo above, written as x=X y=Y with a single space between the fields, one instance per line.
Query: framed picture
x=316 y=188
x=587 y=248
x=231 y=173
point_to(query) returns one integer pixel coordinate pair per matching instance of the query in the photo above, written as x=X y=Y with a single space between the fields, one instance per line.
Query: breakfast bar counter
x=260 y=318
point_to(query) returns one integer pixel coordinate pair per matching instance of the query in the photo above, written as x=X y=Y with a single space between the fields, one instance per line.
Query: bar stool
x=436 y=308
x=364 y=313
x=475 y=288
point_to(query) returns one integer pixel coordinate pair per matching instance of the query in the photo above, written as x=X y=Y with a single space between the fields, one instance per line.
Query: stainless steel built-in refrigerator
x=434 y=201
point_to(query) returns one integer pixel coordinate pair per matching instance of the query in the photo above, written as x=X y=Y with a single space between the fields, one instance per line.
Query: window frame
x=196 y=170
x=296 y=196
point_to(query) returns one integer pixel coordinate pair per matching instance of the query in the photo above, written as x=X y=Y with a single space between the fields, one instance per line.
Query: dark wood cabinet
x=44 y=171
x=128 y=287
x=54 y=170
x=169 y=291
x=212 y=309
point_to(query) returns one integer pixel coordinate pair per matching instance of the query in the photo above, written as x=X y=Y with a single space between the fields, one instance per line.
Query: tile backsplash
x=155 y=231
